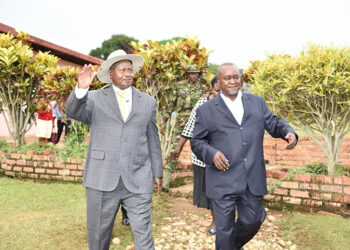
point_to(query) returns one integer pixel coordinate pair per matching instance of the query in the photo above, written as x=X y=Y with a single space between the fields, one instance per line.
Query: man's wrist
x=80 y=92
x=80 y=87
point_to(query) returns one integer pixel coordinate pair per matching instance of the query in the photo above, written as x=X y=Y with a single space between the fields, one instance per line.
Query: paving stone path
x=186 y=228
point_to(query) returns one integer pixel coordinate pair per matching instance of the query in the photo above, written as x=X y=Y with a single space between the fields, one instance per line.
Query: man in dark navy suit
x=228 y=137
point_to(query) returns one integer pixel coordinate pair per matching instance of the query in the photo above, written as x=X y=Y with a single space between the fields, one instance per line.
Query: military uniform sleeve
x=189 y=127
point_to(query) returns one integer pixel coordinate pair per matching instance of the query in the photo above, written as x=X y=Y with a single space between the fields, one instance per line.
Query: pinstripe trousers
x=102 y=208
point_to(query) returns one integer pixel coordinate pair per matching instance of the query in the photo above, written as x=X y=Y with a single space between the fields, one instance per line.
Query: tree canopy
x=118 y=41
x=21 y=72
x=312 y=90
x=176 y=38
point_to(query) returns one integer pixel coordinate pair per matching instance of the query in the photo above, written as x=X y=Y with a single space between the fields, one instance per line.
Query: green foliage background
x=311 y=90
x=21 y=71
x=118 y=41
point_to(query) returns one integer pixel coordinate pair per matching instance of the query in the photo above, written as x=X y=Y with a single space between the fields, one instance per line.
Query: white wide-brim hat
x=116 y=56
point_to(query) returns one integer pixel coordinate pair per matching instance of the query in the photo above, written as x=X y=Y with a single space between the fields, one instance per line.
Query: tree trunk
x=19 y=139
x=166 y=179
x=167 y=134
x=329 y=146
x=7 y=123
x=18 y=125
x=333 y=142
x=331 y=165
x=331 y=157
x=17 y=136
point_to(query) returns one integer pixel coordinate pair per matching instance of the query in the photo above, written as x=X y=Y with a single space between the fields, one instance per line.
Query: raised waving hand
x=86 y=76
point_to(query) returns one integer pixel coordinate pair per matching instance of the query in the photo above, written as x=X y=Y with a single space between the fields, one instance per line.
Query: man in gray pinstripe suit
x=124 y=160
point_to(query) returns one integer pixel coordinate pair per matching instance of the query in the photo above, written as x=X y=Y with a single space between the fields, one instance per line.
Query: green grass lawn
x=317 y=232
x=53 y=216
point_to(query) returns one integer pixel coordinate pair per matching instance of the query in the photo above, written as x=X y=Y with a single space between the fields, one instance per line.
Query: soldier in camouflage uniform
x=187 y=94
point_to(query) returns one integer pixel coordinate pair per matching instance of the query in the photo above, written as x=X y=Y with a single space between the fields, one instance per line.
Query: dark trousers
x=232 y=234
x=60 y=126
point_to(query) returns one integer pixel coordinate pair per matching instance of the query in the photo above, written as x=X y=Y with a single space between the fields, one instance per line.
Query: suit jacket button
x=244 y=143
x=244 y=159
x=240 y=128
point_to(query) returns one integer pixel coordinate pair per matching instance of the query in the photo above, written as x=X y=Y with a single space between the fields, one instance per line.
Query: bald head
x=228 y=64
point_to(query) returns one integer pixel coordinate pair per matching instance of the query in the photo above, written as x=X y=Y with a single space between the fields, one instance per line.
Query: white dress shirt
x=80 y=93
x=236 y=106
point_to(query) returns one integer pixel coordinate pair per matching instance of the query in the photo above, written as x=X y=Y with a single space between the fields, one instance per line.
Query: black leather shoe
x=125 y=221
x=125 y=218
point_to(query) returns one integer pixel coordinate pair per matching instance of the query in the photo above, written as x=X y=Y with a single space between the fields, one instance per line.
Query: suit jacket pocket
x=95 y=154
x=140 y=160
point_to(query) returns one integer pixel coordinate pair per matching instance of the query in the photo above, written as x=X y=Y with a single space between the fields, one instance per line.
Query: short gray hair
x=227 y=64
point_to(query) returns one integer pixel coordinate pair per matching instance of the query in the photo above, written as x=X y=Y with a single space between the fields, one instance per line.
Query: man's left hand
x=292 y=140
x=158 y=183
x=174 y=155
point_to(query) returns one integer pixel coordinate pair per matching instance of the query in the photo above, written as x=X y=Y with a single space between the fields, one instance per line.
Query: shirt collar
x=127 y=90
x=226 y=99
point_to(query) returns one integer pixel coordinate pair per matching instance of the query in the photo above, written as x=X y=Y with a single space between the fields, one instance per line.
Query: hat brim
x=103 y=72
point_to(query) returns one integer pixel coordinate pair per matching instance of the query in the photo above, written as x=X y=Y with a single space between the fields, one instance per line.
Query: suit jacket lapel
x=246 y=107
x=113 y=102
x=136 y=104
x=222 y=107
